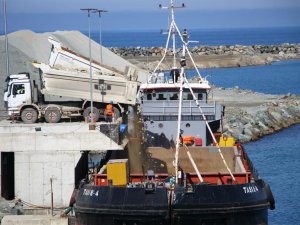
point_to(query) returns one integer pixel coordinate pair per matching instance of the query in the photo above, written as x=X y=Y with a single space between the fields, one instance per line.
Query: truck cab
x=17 y=93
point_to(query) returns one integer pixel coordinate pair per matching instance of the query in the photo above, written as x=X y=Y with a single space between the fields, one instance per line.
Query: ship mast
x=173 y=34
x=183 y=37
x=173 y=29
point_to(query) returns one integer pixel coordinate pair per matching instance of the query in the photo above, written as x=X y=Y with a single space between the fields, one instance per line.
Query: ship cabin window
x=173 y=96
x=149 y=96
x=162 y=96
x=190 y=97
x=200 y=96
x=187 y=96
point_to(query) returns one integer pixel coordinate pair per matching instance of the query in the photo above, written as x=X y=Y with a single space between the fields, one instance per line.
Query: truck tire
x=52 y=115
x=87 y=113
x=29 y=115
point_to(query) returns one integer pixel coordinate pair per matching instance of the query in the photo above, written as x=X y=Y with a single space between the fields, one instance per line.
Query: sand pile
x=19 y=62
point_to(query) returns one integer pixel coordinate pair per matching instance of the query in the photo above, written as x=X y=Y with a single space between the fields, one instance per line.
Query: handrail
x=154 y=108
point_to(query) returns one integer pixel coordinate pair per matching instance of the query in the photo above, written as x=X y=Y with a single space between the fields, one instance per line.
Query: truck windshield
x=18 y=89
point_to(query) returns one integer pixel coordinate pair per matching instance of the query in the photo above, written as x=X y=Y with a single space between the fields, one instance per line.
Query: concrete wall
x=34 y=170
x=53 y=137
x=52 y=151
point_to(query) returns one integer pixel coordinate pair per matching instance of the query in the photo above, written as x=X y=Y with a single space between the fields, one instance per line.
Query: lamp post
x=6 y=39
x=99 y=11
x=88 y=10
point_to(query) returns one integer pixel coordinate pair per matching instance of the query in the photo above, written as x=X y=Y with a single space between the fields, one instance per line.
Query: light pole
x=6 y=39
x=99 y=11
x=90 y=55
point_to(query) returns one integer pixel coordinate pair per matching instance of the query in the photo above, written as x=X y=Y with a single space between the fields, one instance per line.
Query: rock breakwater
x=248 y=125
x=283 y=49
x=212 y=56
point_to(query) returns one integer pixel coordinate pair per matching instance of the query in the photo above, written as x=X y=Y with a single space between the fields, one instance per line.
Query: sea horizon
x=154 y=30
x=204 y=36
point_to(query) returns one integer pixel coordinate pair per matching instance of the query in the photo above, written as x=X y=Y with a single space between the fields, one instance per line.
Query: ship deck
x=207 y=160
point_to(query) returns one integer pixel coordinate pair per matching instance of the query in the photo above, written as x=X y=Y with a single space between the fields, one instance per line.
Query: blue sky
x=145 y=15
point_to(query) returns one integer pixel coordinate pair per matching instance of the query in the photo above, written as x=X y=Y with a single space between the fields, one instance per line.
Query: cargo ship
x=188 y=173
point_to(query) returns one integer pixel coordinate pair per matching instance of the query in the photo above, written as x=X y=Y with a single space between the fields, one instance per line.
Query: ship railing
x=167 y=107
x=216 y=178
x=254 y=171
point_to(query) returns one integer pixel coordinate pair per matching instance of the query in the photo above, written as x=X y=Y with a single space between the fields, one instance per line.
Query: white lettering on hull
x=88 y=192
x=250 y=189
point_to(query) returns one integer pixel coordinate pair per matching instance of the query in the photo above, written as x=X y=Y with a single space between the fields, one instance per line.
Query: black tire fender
x=270 y=196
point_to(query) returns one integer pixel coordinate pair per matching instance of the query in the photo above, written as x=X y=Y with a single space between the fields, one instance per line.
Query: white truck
x=63 y=90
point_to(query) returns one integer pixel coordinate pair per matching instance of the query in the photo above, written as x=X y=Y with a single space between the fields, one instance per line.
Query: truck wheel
x=87 y=113
x=52 y=115
x=29 y=115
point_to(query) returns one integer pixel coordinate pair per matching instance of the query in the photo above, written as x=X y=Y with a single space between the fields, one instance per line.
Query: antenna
x=6 y=38
x=171 y=33
x=100 y=11
x=90 y=56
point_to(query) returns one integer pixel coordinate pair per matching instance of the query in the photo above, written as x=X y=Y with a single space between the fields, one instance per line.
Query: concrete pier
x=34 y=219
x=34 y=154
x=43 y=137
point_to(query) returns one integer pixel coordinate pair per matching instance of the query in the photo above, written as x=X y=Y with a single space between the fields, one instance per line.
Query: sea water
x=278 y=78
x=246 y=36
x=277 y=158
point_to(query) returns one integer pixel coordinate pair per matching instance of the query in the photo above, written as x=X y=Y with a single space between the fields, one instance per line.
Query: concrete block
x=34 y=219
x=33 y=173
x=68 y=173
x=36 y=178
x=53 y=137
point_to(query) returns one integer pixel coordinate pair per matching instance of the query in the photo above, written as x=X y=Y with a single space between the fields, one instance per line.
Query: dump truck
x=64 y=89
